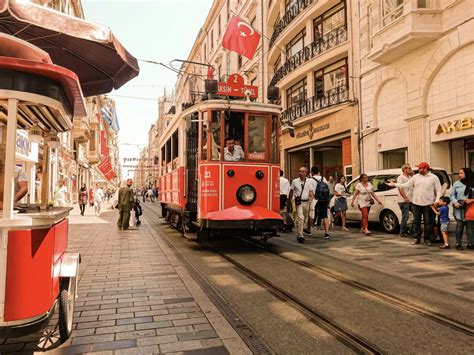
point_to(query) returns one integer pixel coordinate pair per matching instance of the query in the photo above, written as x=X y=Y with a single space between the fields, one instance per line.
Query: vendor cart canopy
x=17 y=48
x=90 y=50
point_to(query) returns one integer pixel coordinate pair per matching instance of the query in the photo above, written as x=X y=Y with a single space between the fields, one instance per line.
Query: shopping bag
x=469 y=212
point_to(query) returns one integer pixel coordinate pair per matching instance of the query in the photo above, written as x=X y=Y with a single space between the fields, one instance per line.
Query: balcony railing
x=326 y=42
x=313 y=104
x=289 y=16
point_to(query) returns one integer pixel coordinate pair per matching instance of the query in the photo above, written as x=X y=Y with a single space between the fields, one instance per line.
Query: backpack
x=322 y=190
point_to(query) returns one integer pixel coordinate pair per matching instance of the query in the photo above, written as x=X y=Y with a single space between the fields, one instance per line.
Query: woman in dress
x=83 y=196
x=365 y=196
x=340 y=205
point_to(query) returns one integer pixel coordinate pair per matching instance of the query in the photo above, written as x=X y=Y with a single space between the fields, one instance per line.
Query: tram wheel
x=67 y=299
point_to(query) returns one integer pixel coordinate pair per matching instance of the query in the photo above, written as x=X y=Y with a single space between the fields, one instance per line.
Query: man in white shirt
x=426 y=191
x=98 y=198
x=302 y=189
x=405 y=195
x=284 y=190
x=233 y=152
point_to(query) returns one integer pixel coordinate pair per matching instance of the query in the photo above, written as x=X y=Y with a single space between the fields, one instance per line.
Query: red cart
x=36 y=272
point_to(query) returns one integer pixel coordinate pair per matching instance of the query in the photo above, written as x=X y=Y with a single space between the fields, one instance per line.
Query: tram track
x=340 y=333
x=399 y=303
x=351 y=340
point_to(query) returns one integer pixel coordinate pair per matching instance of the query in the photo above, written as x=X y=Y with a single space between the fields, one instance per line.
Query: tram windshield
x=239 y=136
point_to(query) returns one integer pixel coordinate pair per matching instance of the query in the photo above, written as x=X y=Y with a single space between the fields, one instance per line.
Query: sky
x=158 y=30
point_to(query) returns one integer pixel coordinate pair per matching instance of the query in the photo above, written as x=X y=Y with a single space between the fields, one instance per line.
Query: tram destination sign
x=235 y=87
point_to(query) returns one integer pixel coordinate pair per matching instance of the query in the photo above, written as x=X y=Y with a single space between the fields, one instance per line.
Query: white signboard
x=25 y=150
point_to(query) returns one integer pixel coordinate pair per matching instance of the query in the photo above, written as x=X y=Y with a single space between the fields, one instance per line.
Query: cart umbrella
x=88 y=49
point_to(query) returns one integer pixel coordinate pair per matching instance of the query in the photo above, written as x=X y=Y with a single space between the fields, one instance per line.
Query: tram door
x=191 y=166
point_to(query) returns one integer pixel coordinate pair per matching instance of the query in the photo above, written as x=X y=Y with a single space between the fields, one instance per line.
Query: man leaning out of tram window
x=232 y=151
x=21 y=185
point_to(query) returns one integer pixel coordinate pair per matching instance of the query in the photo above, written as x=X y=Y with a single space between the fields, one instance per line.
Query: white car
x=388 y=214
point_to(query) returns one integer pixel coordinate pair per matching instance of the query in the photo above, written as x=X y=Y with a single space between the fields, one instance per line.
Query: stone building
x=313 y=62
x=417 y=83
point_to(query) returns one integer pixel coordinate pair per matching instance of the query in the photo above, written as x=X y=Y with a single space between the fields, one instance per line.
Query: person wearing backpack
x=322 y=197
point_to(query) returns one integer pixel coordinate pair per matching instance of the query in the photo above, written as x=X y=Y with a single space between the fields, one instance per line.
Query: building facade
x=312 y=60
x=417 y=83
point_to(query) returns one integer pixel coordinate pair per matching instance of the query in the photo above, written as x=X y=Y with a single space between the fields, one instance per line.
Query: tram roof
x=233 y=105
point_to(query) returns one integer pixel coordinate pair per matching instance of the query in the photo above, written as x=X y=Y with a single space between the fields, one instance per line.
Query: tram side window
x=256 y=137
x=174 y=152
x=205 y=128
x=275 y=149
x=215 y=135
x=163 y=160
x=168 y=156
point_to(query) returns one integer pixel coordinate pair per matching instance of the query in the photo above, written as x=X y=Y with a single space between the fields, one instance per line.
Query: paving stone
x=135 y=320
x=191 y=321
x=135 y=334
x=179 y=300
x=218 y=350
x=115 y=329
x=153 y=325
x=116 y=316
x=102 y=323
x=206 y=334
x=113 y=345
x=164 y=339
x=181 y=346
x=140 y=350
x=93 y=339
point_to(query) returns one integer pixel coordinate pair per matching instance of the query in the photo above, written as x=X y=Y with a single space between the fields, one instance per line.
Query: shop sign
x=235 y=87
x=312 y=130
x=454 y=126
x=25 y=150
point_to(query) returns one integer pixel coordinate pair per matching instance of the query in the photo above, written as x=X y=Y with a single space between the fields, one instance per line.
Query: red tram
x=220 y=168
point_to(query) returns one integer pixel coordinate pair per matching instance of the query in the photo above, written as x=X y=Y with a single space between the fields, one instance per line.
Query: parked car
x=388 y=214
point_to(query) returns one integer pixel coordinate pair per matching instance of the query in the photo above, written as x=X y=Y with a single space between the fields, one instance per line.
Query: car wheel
x=389 y=221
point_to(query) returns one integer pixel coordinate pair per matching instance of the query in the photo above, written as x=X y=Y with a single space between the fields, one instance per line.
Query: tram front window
x=233 y=151
x=256 y=137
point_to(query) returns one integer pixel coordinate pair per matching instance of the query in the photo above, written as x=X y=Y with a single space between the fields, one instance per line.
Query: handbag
x=469 y=216
x=371 y=200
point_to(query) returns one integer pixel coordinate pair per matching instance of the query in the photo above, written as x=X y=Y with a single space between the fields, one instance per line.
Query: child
x=443 y=213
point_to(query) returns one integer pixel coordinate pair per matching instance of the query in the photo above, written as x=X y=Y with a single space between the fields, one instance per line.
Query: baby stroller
x=137 y=208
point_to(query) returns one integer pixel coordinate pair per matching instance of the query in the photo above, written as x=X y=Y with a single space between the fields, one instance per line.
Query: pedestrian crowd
x=317 y=202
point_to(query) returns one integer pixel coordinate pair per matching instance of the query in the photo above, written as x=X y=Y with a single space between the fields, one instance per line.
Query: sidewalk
x=135 y=297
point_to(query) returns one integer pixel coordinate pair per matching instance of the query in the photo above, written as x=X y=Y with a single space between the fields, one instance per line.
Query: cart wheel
x=67 y=298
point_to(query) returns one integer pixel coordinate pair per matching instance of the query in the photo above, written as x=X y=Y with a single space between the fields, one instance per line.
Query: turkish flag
x=241 y=38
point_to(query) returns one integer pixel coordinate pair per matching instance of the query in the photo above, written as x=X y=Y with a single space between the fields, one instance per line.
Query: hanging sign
x=235 y=87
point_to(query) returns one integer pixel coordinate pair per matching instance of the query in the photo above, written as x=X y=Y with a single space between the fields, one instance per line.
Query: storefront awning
x=90 y=50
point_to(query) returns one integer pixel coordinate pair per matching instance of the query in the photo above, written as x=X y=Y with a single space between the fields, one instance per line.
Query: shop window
x=331 y=77
x=256 y=137
x=215 y=134
x=330 y=20
x=394 y=159
x=296 y=94
x=296 y=44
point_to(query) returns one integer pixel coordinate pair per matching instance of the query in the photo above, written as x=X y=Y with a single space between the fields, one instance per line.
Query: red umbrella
x=88 y=49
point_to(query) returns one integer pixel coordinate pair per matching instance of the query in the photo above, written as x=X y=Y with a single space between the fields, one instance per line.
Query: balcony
x=288 y=17
x=325 y=43
x=412 y=24
x=330 y=98
x=81 y=130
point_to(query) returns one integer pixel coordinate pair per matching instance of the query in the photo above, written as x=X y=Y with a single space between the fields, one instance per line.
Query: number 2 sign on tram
x=235 y=87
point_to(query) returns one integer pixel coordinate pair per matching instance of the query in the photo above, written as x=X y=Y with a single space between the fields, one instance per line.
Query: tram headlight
x=246 y=194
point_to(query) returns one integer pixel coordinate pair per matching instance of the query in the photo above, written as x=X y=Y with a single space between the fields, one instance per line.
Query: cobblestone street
x=134 y=298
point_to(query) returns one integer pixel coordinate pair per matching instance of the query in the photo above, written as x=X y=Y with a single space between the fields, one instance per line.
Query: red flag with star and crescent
x=241 y=38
